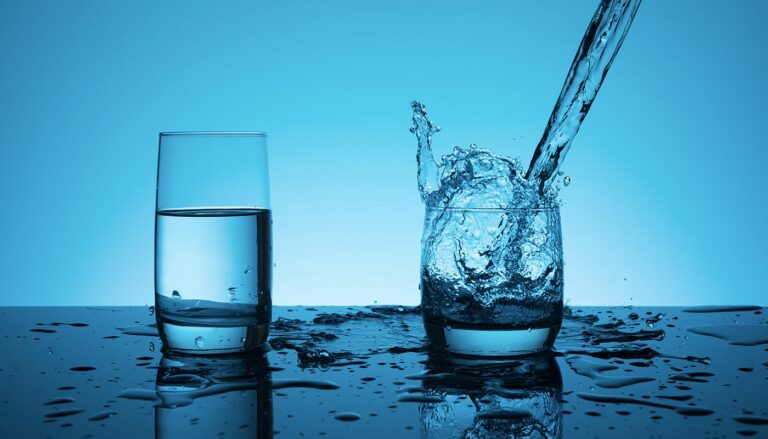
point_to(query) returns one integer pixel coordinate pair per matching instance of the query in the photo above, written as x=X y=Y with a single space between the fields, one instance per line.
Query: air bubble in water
x=200 y=342
x=566 y=180
x=176 y=295
x=151 y=347
x=151 y=310
x=248 y=270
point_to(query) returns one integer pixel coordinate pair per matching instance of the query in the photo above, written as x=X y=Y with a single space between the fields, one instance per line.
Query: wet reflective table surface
x=368 y=372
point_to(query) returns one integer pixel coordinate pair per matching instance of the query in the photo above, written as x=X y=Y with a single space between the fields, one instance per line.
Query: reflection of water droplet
x=151 y=310
x=200 y=342
x=151 y=347
x=176 y=295
x=566 y=180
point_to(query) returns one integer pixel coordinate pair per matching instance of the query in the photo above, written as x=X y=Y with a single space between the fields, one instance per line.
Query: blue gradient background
x=666 y=206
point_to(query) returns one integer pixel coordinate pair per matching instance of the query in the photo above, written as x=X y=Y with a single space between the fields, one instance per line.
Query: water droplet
x=151 y=347
x=102 y=416
x=59 y=401
x=348 y=417
x=151 y=310
x=50 y=351
x=566 y=180
x=200 y=342
x=176 y=295
x=242 y=339
x=248 y=270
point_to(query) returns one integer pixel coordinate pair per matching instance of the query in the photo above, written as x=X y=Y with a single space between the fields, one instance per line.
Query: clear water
x=213 y=278
x=491 y=245
x=598 y=49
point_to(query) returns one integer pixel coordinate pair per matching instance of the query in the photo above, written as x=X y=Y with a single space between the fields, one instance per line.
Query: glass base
x=481 y=342
x=212 y=340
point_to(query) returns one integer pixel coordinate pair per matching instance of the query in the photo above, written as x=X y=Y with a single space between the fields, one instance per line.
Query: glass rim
x=213 y=133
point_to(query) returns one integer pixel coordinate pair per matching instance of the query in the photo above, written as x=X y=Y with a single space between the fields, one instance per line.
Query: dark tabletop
x=368 y=372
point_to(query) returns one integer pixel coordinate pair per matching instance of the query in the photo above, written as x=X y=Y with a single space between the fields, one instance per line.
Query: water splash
x=478 y=178
x=596 y=53
x=474 y=178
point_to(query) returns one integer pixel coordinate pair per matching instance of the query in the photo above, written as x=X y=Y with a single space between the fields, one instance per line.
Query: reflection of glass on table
x=213 y=397
x=517 y=398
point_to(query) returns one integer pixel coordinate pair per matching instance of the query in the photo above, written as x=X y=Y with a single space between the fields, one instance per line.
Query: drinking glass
x=213 y=243
x=492 y=279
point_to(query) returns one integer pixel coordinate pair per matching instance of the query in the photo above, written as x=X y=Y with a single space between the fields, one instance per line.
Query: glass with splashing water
x=492 y=279
x=491 y=261
x=491 y=252
x=213 y=245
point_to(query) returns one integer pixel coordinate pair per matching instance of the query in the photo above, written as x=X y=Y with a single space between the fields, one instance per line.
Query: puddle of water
x=740 y=335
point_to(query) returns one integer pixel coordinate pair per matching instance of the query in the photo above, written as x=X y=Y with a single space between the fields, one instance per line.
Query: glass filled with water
x=213 y=242
x=492 y=279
